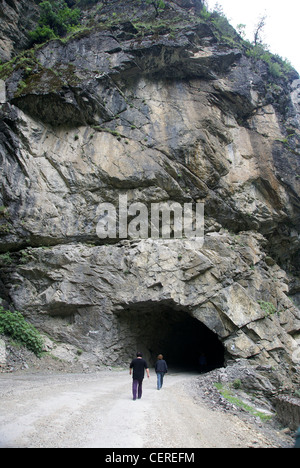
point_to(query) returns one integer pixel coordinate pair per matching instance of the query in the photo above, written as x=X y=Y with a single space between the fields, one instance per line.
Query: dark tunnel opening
x=188 y=341
x=181 y=338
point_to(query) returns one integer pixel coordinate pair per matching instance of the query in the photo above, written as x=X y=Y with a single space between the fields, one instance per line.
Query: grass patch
x=234 y=400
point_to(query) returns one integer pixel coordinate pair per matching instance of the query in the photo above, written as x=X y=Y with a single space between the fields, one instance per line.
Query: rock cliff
x=160 y=107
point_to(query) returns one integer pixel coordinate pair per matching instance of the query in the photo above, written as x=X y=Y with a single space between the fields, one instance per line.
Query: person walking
x=137 y=369
x=161 y=369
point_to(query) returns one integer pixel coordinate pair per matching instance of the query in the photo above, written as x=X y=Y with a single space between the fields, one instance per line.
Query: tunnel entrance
x=181 y=338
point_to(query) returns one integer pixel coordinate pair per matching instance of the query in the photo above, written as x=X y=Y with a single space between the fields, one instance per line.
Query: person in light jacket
x=161 y=369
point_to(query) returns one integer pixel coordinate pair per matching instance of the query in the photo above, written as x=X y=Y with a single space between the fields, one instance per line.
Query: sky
x=282 y=24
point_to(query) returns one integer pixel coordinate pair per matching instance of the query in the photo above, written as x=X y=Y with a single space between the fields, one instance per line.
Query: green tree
x=56 y=20
x=42 y=34
x=259 y=30
x=241 y=29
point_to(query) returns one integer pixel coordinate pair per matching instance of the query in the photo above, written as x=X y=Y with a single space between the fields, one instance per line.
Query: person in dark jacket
x=137 y=368
x=161 y=369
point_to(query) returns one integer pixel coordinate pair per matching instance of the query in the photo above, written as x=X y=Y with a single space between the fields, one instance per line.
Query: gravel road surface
x=97 y=411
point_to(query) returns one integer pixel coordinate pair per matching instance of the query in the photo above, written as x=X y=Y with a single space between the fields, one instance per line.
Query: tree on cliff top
x=259 y=29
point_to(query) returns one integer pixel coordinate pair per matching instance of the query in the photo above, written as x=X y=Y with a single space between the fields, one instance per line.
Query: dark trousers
x=137 y=388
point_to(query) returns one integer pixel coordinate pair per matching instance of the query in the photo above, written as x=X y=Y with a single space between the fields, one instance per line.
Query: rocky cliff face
x=16 y=18
x=160 y=109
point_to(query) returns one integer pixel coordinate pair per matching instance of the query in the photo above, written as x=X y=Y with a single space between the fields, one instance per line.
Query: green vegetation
x=229 y=396
x=256 y=50
x=56 y=20
x=268 y=308
x=158 y=5
x=64 y=19
x=5 y=259
x=277 y=66
x=14 y=324
x=25 y=60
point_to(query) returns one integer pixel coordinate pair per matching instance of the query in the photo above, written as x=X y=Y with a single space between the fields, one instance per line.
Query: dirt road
x=96 y=410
